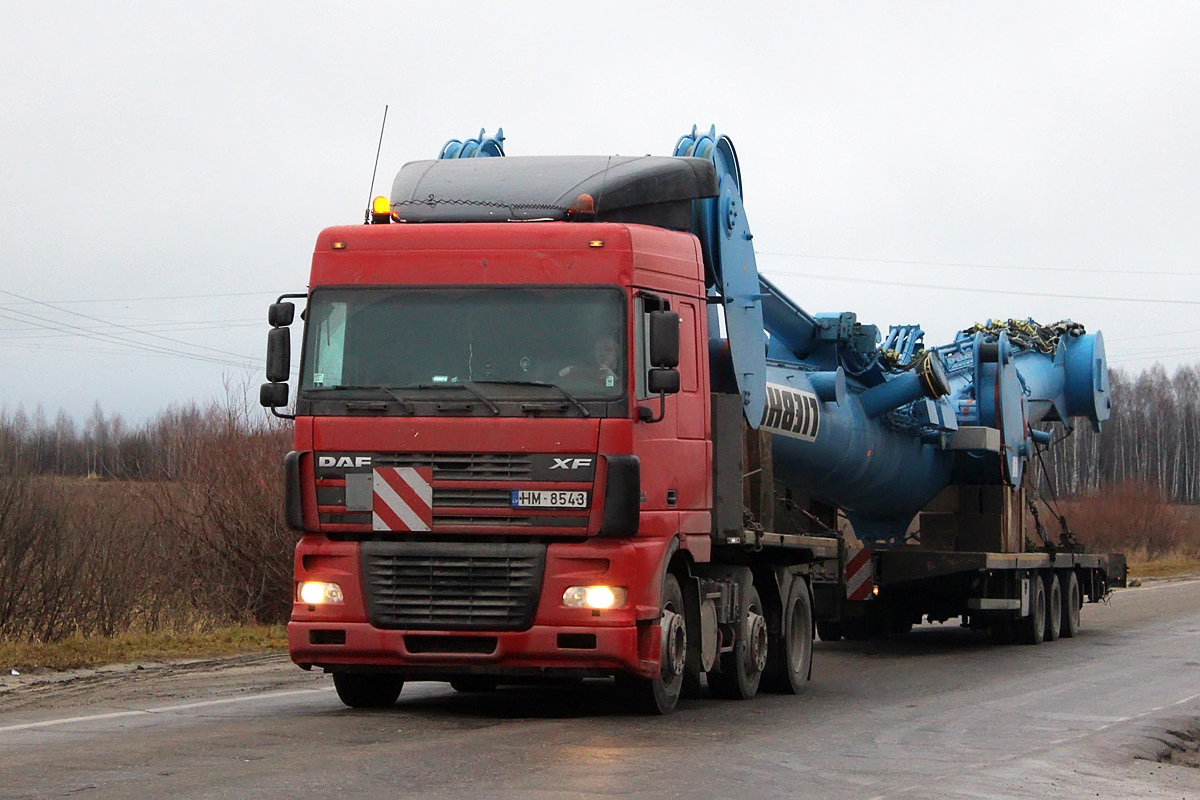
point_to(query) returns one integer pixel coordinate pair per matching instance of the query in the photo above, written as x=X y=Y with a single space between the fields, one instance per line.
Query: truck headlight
x=598 y=597
x=318 y=592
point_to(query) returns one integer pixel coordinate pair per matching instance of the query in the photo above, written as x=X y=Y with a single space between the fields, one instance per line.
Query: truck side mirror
x=279 y=354
x=663 y=381
x=664 y=339
x=280 y=315
x=273 y=395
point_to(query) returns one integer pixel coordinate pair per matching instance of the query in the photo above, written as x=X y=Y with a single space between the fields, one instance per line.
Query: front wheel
x=660 y=694
x=365 y=690
x=474 y=683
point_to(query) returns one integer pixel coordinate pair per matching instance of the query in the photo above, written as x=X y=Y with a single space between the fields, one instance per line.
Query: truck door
x=674 y=452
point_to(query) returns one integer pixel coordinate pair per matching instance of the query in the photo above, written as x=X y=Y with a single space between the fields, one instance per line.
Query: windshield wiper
x=582 y=408
x=375 y=387
x=495 y=409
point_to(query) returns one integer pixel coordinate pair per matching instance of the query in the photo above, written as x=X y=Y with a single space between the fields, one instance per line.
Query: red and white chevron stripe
x=402 y=499
x=860 y=577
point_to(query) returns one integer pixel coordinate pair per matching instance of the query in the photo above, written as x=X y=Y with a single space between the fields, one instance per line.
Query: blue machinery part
x=877 y=430
x=482 y=146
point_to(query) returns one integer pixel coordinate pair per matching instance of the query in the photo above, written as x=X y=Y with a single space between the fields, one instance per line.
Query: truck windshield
x=423 y=338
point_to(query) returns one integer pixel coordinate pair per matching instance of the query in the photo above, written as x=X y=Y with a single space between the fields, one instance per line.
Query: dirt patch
x=1175 y=741
x=146 y=683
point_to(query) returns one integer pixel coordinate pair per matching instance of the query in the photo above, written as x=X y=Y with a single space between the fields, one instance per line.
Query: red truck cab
x=476 y=499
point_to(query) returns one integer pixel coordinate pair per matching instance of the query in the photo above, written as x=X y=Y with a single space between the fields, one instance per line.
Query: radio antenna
x=378 y=149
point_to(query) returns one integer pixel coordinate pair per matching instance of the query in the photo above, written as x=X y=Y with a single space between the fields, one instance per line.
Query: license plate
x=526 y=498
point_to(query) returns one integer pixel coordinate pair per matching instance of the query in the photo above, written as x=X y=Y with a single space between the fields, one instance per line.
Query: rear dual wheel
x=1072 y=602
x=1032 y=629
x=1054 y=605
x=742 y=669
x=790 y=659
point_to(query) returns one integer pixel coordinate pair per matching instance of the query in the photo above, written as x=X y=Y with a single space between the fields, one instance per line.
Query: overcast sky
x=167 y=166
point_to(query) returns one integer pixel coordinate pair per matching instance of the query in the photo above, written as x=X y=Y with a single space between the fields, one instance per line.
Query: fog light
x=598 y=597
x=317 y=592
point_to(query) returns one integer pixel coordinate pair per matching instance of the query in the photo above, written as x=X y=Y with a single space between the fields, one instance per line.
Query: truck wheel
x=1032 y=629
x=364 y=690
x=659 y=695
x=1002 y=631
x=790 y=660
x=1053 y=605
x=474 y=683
x=829 y=631
x=1072 y=602
x=741 y=670
x=855 y=630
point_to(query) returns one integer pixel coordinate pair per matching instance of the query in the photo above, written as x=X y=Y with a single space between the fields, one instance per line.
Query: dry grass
x=76 y=651
x=1169 y=567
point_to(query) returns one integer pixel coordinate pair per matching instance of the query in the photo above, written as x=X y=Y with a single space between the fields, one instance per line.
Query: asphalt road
x=940 y=713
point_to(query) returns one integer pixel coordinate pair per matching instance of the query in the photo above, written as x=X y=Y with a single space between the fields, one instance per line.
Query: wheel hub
x=757 y=640
x=674 y=644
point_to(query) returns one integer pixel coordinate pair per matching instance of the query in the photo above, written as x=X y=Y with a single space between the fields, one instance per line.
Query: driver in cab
x=602 y=373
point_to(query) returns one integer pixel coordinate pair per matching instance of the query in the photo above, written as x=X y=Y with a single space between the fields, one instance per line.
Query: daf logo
x=570 y=463
x=343 y=461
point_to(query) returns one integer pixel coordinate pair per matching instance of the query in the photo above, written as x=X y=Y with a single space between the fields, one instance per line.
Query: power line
x=968 y=265
x=65 y=327
x=25 y=333
x=124 y=327
x=149 y=298
x=942 y=287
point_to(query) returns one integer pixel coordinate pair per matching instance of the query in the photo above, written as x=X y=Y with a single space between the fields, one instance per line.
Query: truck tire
x=366 y=690
x=1054 y=606
x=1072 y=602
x=474 y=683
x=1032 y=629
x=790 y=657
x=742 y=670
x=856 y=630
x=829 y=631
x=660 y=694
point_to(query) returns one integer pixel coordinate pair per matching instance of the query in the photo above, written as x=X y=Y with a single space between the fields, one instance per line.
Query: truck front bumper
x=540 y=650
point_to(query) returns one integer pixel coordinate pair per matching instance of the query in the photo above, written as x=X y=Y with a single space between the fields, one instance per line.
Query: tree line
x=1151 y=440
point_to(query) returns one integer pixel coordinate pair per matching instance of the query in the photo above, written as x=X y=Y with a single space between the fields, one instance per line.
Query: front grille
x=457 y=498
x=464 y=466
x=455 y=586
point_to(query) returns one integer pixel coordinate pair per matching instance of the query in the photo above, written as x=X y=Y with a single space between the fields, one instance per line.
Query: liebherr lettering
x=791 y=412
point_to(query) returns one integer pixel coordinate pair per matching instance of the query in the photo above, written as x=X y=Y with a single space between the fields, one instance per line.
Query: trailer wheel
x=1032 y=629
x=1072 y=602
x=365 y=690
x=741 y=671
x=790 y=660
x=829 y=631
x=474 y=683
x=659 y=695
x=1054 y=606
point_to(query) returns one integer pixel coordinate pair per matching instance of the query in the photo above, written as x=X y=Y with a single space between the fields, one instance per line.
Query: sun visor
x=651 y=190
